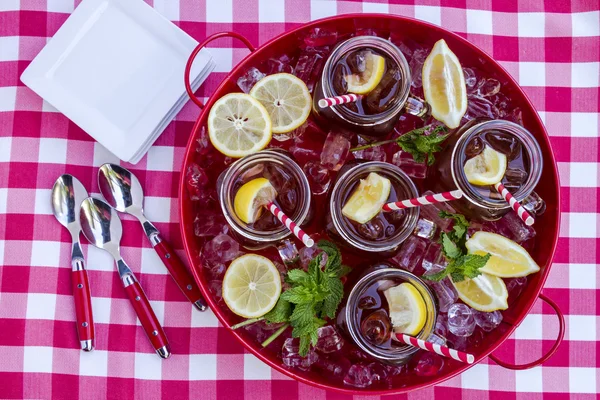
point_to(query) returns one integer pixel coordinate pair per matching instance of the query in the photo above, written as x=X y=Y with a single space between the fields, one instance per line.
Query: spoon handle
x=146 y=315
x=179 y=273
x=83 y=306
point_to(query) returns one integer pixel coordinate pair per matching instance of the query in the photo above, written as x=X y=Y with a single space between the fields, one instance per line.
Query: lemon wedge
x=444 y=85
x=486 y=168
x=407 y=308
x=484 y=293
x=368 y=198
x=239 y=125
x=286 y=99
x=251 y=286
x=366 y=81
x=252 y=197
x=508 y=259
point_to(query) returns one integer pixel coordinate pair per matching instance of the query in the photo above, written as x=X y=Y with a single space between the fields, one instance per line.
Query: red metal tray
x=547 y=227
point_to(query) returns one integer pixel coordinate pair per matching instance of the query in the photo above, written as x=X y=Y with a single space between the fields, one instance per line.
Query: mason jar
x=448 y=172
x=379 y=124
x=351 y=314
x=396 y=226
x=294 y=198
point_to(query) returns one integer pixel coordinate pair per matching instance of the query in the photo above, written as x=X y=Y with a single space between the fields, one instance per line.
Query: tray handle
x=550 y=353
x=188 y=66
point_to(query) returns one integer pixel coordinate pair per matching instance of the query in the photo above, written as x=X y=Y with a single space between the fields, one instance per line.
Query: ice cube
x=441 y=325
x=376 y=153
x=277 y=65
x=337 y=366
x=516 y=176
x=411 y=253
x=382 y=97
x=335 y=151
x=445 y=293
x=203 y=142
x=416 y=66
x=196 y=181
x=534 y=204
x=221 y=249
x=470 y=79
x=318 y=177
x=515 y=287
x=460 y=320
x=487 y=321
x=372 y=230
x=291 y=358
x=515 y=115
x=249 y=79
x=512 y=227
x=406 y=163
x=504 y=143
x=210 y=223
x=488 y=87
x=216 y=288
x=432 y=213
x=288 y=251
x=368 y=302
x=329 y=340
x=360 y=375
x=480 y=107
x=306 y=255
x=474 y=147
x=437 y=339
x=425 y=229
x=310 y=63
x=428 y=364
x=318 y=37
x=376 y=328
x=434 y=259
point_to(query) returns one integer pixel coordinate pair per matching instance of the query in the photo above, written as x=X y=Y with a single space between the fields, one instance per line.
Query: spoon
x=102 y=227
x=123 y=191
x=67 y=194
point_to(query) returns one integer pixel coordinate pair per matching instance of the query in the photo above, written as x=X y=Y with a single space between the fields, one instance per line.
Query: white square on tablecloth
x=203 y=367
x=585 y=75
x=429 y=13
x=529 y=380
x=93 y=363
x=1 y=253
x=581 y=225
x=8 y=98
x=45 y=253
x=271 y=11
x=5 y=146
x=37 y=359
x=157 y=209
x=159 y=310
x=219 y=10
x=375 y=7
x=582 y=380
x=61 y=6
x=530 y=328
x=43 y=204
x=204 y=319
x=168 y=8
x=532 y=74
x=582 y=276
x=583 y=174
x=531 y=24
x=584 y=124
x=476 y=377
x=322 y=9
x=151 y=263
x=10 y=5
x=223 y=58
x=41 y=306
x=101 y=307
x=9 y=48
x=148 y=366
x=98 y=260
x=53 y=150
x=255 y=369
x=586 y=23
x=581 y=328
x=3 y=200
x=479 y=21
x=160 y=158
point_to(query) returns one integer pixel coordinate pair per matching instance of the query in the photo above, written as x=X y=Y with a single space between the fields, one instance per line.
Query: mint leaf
x=473 y=263
x=421 y=143
x=280 y=313
x=297 y=276
x=302 y=315
x=304 y=345
x=298 y=295
x=345 y=270
x=449 y=247
x=331 y=302
x=437 y=276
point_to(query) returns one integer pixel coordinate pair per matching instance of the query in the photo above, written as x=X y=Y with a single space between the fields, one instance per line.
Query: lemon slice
x=367 y=80
x=286 y=99
x=444 y=85
x=251 y=286
x=484 y=292
x=486 y=168
x=368 y=198
x=508 y=259
x=407 y=308
x=251 y=197
x=239 y=125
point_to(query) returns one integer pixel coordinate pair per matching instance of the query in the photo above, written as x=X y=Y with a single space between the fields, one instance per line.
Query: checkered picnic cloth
x=551 y=47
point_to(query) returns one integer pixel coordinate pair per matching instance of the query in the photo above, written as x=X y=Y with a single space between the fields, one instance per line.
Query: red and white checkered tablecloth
x=551 y=47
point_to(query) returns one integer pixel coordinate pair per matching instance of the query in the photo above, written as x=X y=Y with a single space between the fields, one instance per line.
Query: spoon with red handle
x=123 y=191
x=102 y=227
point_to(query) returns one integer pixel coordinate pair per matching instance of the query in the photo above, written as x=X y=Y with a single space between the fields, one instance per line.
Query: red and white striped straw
x=519 y=209
x=435 y=348
x=291 y=225
x=423 y=200
x=334 y=101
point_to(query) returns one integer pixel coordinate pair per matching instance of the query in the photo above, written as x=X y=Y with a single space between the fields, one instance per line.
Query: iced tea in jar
x=375 y=113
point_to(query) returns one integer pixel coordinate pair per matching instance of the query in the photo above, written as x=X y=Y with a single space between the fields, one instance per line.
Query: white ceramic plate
x=115 y=68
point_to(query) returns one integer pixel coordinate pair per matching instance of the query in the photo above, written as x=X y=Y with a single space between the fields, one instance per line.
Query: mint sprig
x=461 y=265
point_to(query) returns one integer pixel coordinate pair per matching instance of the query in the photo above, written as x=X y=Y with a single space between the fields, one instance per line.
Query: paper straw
x=435 y=348
x=291 y=225
x=334 y=101
x=423 y=200
x=519 y=209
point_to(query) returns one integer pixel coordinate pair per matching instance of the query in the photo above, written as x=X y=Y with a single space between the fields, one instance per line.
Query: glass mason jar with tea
x=375 y=113
x=524 y=166
x=293 y=198
x=383 y=234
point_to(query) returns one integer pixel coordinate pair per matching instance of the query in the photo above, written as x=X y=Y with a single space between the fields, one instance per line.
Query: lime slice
x=508 y=259
x=486 y=168
x=366 y=81
x=407 y=309
x=484 y=293
x=286 y=99
x=251 y=286
x=239 y=125
x=368 y=198
x=252 y=197
x=444 y=85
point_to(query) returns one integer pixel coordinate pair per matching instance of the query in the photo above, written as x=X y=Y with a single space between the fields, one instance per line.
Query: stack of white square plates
x=115 y=68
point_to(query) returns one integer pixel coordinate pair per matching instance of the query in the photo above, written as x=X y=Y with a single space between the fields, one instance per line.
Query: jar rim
x=392 y=51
